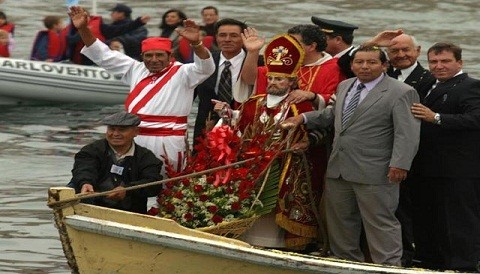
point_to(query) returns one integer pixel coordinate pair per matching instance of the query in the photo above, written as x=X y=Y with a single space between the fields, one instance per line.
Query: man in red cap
x=161 y=90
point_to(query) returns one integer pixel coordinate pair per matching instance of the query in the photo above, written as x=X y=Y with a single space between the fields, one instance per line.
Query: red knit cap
x=157 y=43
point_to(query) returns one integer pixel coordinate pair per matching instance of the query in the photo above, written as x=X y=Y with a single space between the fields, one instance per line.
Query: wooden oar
x=79 y=197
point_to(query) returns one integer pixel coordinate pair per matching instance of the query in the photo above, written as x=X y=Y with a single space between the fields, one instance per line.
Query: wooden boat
x=37 y=82
x=102 y=240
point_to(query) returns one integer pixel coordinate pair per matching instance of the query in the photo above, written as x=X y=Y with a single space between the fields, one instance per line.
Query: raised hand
x=145 y=18
x=384 y=38
x=251 y=40
x=189 y=31
x=79 y=16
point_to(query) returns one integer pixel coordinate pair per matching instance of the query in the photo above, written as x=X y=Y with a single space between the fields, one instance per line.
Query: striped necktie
x=352 y=105
x=225 y=84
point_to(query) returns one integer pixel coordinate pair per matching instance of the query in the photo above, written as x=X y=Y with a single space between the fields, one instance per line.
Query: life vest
x=185 y=50
x=4 y=52
x=94 y=25
x=8 y=27
x=56 y=44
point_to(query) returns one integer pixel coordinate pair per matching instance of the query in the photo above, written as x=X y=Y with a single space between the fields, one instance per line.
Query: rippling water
x=37 y=143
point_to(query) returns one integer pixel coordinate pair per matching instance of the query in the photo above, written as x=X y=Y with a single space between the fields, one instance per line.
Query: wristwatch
x=437 y=119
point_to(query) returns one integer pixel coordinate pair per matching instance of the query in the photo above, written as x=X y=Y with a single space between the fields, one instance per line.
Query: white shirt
x=174 y=98
x=235 y=68
x=368 y=86
x=343 y=52
x=404 y=73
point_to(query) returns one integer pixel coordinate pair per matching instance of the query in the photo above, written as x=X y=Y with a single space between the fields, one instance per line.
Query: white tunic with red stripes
x=163 y=112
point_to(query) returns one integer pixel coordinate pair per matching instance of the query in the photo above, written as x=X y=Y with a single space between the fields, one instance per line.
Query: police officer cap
x=121 y=118
x=333 y=26
x=122 y=8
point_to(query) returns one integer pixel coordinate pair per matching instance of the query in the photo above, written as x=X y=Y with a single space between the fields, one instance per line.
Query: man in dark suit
x=228 y=36
x=339 y=41
x=376 y=138
x=446 y=179
x=403 y=54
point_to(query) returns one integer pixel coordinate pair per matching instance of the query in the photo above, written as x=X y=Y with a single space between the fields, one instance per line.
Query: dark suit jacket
x=420 y=79
x=205 y=92
x=451 y=149
x=344 y=64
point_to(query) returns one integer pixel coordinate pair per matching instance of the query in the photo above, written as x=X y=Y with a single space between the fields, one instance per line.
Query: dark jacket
x=93 y=164
x=451 y=150
x=206 y=92
x=344 y=64
x=132 y=40
x=420 y=79
x=109 y=31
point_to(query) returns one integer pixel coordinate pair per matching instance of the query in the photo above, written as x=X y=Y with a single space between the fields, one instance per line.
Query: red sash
x=169 y=72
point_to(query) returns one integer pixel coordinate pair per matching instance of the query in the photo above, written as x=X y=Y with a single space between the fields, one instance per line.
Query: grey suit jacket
x=381 y=133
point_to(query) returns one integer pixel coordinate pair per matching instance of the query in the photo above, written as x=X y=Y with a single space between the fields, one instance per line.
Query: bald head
x=404 y=52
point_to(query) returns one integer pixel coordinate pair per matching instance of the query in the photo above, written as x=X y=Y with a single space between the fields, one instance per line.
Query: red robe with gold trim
x=295 y=208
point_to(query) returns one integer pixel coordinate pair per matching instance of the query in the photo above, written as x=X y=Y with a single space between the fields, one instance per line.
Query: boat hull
x=36 y=82
x=103 y=240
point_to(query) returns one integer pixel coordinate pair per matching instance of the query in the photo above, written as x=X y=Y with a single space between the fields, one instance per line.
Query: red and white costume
x=162 y=102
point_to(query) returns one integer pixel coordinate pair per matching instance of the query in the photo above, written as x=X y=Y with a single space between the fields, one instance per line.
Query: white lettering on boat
x=56 y=68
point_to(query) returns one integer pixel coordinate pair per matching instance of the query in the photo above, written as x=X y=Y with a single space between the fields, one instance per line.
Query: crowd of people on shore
x=392 y=145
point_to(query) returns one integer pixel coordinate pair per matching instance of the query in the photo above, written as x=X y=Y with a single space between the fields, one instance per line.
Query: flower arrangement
x=225 y=194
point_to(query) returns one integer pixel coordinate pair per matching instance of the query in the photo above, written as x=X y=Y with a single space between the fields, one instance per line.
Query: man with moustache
x=446 y=179
x=161 y=90
x=403 y=54
x=375 y=140
x=294 y=225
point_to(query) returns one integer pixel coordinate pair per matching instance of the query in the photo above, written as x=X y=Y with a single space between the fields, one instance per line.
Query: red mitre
x=157 y=43
x=284 y=56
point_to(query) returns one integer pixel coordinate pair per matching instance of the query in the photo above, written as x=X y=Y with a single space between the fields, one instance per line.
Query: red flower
x=170 y=185
x=229 y=190
x=236 y=206
x=198 y=188
x=212 y=209
x=179 y=195
x=153 y=211
x=190 y=204
x=169 y=207
x=167 y=192
x=217 y=219
x=203 y=198
x=186 y=182
x=188 y=216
